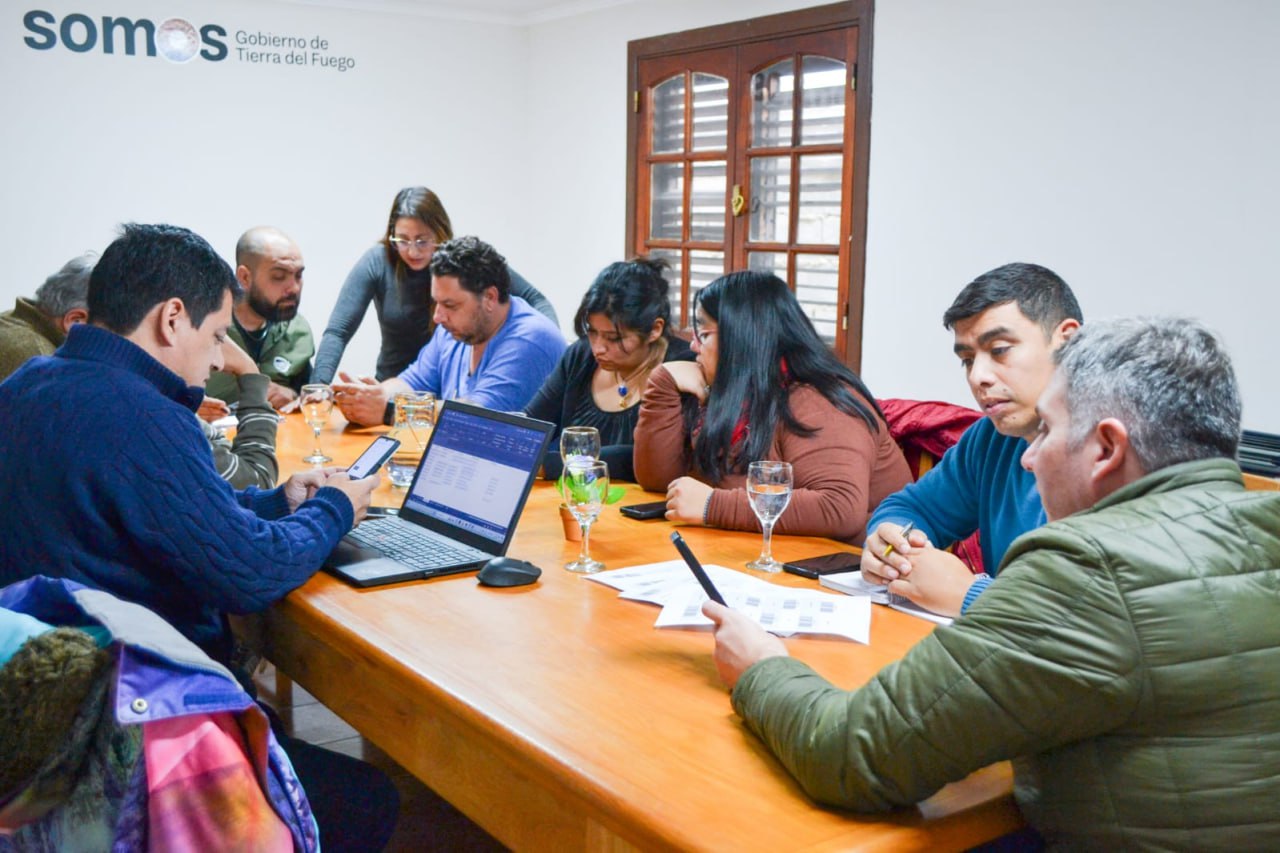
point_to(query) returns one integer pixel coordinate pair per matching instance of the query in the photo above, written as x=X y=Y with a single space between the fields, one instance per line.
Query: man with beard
x=267 y=324
x=489 y=348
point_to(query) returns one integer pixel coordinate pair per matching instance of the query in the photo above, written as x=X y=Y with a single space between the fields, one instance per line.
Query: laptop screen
x=474 y=473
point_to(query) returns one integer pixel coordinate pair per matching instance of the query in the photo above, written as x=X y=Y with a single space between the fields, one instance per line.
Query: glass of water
x=316 y=402
x=769 y=490
x=584 y=487
x=414 y=420
x=579 y=444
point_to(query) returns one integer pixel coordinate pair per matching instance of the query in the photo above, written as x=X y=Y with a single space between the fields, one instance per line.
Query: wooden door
x=746 y=155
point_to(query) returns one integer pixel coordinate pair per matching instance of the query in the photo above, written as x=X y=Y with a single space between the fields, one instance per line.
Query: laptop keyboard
x=414 y=546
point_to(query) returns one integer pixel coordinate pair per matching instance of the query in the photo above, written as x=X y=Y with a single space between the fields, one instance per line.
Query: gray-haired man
x=1128 y=655
x=39 y=326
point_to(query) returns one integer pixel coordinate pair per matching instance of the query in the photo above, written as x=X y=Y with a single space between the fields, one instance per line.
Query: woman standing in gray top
x=394 y=276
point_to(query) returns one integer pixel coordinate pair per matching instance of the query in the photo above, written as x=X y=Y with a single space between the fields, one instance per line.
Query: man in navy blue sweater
x=106 y=478
x=1007 y=323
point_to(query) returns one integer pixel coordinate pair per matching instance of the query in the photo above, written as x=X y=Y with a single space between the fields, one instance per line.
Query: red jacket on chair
x=926 y=429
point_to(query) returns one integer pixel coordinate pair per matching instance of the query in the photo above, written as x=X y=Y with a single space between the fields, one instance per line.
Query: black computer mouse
x=508 y=571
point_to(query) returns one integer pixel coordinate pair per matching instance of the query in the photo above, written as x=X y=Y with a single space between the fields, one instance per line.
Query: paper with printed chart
x=780 y=610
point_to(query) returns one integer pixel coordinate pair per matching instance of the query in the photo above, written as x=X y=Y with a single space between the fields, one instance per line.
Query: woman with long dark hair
x=764 y=386
x=624 y=332
x=394 y=276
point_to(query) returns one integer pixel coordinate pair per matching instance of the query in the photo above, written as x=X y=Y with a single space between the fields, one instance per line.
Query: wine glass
x=769 y=490
x=316 y=402
x=579 y=444
x=584 y=486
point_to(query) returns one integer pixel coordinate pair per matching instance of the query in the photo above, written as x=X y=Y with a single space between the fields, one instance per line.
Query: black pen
x=696 y=567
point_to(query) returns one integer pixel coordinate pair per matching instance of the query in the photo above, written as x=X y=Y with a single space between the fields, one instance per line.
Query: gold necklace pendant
x=625 y=391
x=624 y=395
x=629 y=394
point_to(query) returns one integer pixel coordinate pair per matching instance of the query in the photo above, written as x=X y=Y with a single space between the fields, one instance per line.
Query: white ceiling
x=513 y=12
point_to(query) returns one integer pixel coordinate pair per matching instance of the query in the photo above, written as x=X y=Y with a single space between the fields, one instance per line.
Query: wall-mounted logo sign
x=176 y=40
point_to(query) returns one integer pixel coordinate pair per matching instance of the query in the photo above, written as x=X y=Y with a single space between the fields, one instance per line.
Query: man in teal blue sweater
x=1007 y=323
x=106 y=479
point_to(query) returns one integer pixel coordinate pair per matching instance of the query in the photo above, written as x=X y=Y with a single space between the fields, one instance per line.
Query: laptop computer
x=462 y=506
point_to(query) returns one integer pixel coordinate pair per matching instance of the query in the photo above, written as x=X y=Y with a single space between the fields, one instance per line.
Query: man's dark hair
x=148 y=264
x=1040 y=293
x=475 y=264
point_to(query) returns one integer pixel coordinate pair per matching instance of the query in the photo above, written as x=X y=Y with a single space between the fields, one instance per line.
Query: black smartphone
x=827 y=564
x=373 y=458
x=644 y=512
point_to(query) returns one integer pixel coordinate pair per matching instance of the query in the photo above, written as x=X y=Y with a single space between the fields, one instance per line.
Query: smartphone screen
x=827 y=564
x=373 y=458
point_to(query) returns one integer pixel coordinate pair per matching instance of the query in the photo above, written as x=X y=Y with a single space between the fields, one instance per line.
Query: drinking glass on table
x=769 y=491
x=579 y=444
x=316 y=402
x=414 y=420
x=584 y=486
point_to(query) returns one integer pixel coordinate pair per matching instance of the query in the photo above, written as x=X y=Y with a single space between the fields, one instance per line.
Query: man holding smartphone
x=81 y=433
x=1008 y=323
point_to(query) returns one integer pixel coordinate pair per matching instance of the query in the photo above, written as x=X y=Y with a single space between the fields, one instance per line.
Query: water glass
x=584 y=486
x=769 y=491
x=316 y=402
x=579 y=444
x=414 y=420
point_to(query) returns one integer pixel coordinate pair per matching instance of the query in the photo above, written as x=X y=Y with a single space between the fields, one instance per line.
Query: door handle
x=739 y=202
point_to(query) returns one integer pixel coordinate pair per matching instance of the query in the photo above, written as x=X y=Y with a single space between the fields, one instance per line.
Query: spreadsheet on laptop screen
x=474 y=473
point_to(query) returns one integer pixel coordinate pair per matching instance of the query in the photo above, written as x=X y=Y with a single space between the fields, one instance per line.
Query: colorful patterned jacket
x=116 y=732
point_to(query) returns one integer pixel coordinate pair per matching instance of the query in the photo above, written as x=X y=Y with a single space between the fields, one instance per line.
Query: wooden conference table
x=558 y=718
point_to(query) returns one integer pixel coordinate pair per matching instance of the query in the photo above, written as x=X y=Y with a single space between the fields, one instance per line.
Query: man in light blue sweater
x=1007 y=323
x=489 y=348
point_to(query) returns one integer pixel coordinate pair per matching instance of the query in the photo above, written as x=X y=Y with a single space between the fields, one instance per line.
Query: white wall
x=1131 y=146
x=1128 y=144
x=91 y=140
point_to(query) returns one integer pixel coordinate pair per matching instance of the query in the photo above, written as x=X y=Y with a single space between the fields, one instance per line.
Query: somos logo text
x=174 y=39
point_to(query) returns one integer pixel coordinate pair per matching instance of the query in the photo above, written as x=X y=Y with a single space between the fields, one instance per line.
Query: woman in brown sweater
x=764 y=386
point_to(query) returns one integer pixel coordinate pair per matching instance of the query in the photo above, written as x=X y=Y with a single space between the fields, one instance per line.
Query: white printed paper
x=780 y=610
x=851 y=583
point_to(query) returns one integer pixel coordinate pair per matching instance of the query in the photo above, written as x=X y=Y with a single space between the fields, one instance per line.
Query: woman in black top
x=624 y=331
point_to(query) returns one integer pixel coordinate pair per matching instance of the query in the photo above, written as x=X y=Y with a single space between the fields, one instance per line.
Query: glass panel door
x=687 y=169
x=796 y=168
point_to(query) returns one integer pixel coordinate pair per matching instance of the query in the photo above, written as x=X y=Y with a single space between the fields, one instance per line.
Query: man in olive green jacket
x=1127 y=658
x=39 y=326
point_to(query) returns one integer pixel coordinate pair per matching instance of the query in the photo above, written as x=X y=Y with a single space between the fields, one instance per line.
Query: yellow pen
x=907 y=528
